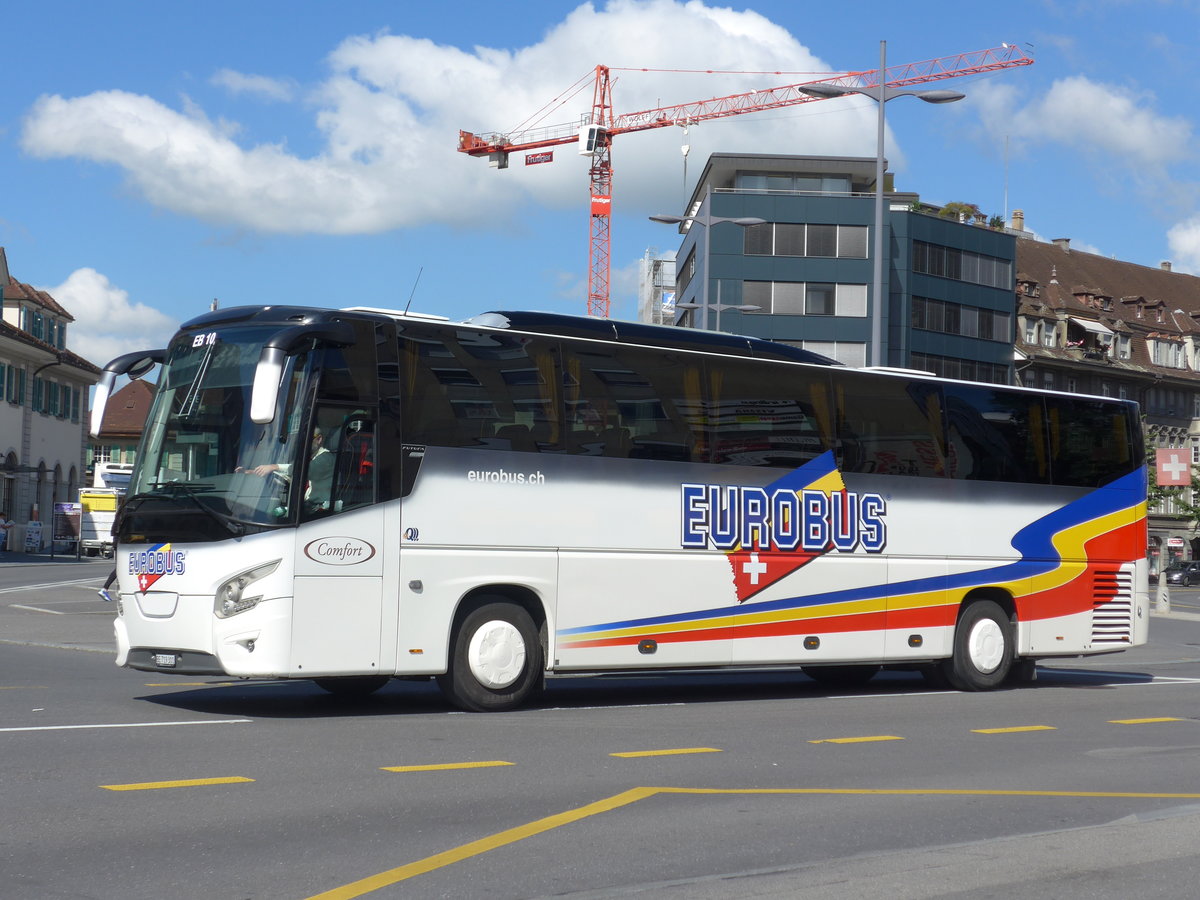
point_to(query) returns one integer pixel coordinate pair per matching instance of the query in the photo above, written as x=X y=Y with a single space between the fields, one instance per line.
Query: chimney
x=1165 y=265
x=1018 y=220
x=1063 y=244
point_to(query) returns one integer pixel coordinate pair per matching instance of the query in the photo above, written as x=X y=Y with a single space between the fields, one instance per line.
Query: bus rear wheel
x=983 y=648
x=496 y=659
x=352 y=685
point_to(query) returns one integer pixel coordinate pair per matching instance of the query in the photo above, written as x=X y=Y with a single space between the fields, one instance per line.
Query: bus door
x=341 y=550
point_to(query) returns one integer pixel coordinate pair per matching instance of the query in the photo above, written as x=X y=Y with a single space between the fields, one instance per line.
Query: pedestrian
x=5 y=526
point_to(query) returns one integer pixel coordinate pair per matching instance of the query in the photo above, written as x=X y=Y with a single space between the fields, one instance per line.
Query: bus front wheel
x=495 y=659
x=983 y=648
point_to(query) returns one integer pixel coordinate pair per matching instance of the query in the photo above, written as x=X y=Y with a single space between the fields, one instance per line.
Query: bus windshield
x=201 y=451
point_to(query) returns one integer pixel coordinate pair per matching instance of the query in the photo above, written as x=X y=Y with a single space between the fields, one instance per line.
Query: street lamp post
x=881 y=94
x=707 y=221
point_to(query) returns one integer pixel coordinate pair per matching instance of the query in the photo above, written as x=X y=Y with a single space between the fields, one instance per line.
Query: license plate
x=165 y=660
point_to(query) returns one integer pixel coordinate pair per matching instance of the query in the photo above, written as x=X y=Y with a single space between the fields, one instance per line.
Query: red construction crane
x=595 y=136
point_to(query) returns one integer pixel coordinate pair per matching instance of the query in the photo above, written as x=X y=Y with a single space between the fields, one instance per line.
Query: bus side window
x=354 y=481
x=754 y=421
x=994 y=435
x=890 y=426
x=1089 y=442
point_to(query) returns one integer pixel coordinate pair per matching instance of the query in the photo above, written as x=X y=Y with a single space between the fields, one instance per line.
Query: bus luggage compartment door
x=337 y=604
x=336 y=625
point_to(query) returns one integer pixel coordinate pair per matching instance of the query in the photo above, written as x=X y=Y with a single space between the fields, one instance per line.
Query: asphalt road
x=118 y=784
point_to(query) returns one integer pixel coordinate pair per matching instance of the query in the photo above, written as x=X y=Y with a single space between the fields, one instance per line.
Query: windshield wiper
x=174 y=489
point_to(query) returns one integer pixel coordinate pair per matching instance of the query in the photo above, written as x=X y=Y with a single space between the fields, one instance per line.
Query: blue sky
x=156 y=156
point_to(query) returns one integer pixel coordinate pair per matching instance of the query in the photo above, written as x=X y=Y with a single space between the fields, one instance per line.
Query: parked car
x=1183 y=574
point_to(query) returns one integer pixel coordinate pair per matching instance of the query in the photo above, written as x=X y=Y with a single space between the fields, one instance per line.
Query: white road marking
x=128 y=725
x=47 y=585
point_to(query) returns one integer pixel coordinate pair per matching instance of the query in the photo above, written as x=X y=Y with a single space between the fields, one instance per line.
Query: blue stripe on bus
x=1034 y=542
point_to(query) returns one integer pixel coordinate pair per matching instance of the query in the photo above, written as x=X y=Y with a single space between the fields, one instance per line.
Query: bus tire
x=352 y=685
x=496 y=659
x=983 y=648
x=840 y=676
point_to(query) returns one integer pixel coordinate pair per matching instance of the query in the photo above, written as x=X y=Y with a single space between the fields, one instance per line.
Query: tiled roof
x=67 y=357
x=126 y=410
x=16 y=290
x=1068 y=279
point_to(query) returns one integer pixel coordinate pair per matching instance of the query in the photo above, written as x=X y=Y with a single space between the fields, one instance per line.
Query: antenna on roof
x=414 y=290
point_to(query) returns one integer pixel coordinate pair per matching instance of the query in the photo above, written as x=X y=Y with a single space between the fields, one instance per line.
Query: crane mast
x=603 y=125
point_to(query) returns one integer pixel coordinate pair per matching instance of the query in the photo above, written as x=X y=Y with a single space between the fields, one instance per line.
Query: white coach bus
x=352 y=495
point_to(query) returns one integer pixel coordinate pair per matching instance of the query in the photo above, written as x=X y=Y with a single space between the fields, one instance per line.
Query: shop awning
x=1093 y=327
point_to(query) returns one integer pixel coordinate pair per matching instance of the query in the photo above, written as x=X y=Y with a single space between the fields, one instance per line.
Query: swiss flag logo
x=1174 y=467
x=756 y=569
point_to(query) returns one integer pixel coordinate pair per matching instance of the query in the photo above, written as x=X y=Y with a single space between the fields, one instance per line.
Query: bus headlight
x=230 y=598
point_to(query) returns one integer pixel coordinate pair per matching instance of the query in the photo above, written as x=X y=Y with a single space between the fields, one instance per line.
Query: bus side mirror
x=135 y=365
x=268 y=374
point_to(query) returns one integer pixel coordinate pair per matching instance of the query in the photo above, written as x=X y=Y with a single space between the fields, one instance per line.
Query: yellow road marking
x=441 y=767
x=625 y=798
x=191 y=782
x=859 y=740
x=682 y=750
x=1142 y=721
x=1014 y=730
x=483 y=845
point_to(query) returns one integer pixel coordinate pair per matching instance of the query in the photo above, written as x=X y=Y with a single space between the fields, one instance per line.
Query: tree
x=959 y=211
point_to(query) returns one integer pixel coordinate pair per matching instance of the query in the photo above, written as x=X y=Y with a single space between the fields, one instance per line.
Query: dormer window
x=1166 y=352
x=1092 y=338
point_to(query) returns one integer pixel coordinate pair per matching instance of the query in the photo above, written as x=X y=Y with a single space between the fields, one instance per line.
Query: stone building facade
x=1094 y=325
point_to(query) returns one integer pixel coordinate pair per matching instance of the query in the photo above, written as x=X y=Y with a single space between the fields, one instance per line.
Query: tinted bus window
x=889 y=426
x=1090 y=441
x=754 y=415
x=475 y=389
x=631 y=402
x=995 y=435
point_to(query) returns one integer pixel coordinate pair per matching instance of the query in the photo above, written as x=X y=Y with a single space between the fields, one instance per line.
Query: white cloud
x=256 y=85
x=1184 y=241
x=392 y=106
x=106 y=323
x=1092 y=118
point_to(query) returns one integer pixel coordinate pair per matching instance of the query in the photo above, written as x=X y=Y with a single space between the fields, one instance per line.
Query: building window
x=798 y=298
x=962 y=369
x=795 y=239
x=792 y=183
x=684 y=277
x=848 y=353
x=789 y=239
x=818 y=299
x=1048 y=381
x=962 y=265
x=1166 y=353
x=943 y=317
x=1072 y=386
x=1122 y=392
x=758 y=240
x=14 y=389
